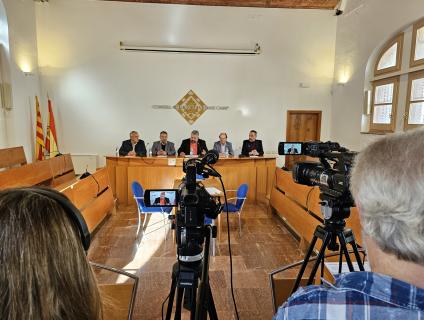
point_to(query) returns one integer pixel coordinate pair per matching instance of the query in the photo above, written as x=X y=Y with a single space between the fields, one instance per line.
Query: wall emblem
x=191 y=107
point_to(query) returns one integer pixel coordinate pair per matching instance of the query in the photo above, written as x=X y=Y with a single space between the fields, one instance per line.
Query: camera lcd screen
x=290 y=148
x=161 y=198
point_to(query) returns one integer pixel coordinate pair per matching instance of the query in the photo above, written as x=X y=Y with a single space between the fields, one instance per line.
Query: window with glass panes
x=384 y=103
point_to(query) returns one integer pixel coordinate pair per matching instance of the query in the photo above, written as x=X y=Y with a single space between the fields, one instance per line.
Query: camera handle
x=329 y=233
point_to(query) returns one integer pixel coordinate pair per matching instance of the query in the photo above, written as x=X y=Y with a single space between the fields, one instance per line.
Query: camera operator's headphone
x=73 y=213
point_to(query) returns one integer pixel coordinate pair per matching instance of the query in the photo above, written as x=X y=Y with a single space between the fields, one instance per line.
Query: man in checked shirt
x=388 y=186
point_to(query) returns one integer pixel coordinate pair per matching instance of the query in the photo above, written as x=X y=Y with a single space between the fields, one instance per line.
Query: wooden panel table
x=157 y=172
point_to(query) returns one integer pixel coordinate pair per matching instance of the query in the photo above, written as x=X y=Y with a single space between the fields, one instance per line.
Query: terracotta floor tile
x=264 y=245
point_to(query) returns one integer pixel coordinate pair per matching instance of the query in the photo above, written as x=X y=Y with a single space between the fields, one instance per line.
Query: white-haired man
x=388 y=186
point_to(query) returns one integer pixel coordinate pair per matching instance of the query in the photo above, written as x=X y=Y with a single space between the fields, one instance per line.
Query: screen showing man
x=292 y=148
x=162 y=198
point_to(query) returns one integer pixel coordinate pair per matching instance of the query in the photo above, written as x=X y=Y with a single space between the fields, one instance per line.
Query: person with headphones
x=44 y=271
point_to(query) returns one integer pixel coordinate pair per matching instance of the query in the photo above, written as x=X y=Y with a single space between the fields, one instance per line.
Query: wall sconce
x=25 y=66
x=344 y=75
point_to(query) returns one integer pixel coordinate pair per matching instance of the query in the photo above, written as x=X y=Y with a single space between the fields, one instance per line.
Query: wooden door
x=302 y=126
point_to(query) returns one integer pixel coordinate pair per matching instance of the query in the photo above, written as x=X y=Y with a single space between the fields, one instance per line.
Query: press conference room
x=211 y=159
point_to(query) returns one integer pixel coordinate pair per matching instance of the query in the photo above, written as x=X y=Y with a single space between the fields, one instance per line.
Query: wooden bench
x=93 y=195
x=12 y=157
x=48 y=172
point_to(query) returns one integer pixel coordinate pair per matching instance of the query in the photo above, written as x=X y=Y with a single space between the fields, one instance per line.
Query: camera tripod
x=197 y=298
x=329 y=233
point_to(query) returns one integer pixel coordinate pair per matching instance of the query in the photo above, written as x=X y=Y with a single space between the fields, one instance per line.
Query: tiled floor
x=263 y=246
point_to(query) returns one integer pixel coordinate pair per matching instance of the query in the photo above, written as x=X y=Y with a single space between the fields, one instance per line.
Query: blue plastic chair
x=237 y=205
x=138 y=193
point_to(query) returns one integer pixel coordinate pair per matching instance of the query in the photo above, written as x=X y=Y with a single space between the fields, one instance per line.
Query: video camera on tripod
x=332 y=175
x=193 y=203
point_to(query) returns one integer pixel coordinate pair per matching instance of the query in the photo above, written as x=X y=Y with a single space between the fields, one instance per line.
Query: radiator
x=83 y=162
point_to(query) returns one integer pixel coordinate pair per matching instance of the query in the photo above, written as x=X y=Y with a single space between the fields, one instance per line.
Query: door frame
x=317 y=112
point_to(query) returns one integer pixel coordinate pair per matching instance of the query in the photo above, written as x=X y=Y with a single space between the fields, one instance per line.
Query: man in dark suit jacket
x=133 y=147
x=252 y=147
x=193 y=146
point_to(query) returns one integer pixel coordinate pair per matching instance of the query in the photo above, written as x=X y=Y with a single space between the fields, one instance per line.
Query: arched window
x=396 y=68
x=390 y=57
x=417 y=52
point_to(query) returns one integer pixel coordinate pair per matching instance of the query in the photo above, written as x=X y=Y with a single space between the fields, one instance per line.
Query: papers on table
x=172 y=161
x=191 y=156
x=213 y=191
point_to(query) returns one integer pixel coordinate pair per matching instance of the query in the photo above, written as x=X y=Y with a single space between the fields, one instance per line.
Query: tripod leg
x=211 y=305
x=320 y=257
x=343 y=247
x=351 y=240
x=180 y=295
x=193 y=304
x=340 y=259
x=304 y=264
x=171 y=298
x=322 y=269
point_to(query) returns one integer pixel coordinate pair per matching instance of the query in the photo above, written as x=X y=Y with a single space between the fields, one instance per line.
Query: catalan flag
x=51 y=136
x=39 y=133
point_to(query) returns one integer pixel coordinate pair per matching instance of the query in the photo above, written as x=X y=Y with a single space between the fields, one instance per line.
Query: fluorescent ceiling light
x=255 y=51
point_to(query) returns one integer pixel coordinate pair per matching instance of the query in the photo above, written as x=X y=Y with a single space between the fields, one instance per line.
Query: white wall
x=4 y=41
x=19 y=123
x=101 y=93
x=361 y=31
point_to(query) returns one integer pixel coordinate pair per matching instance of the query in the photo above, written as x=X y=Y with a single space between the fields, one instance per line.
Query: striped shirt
x=356 y=295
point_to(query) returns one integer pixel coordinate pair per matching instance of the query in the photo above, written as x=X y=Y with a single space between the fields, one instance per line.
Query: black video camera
x=331 y=174
x=193 y=203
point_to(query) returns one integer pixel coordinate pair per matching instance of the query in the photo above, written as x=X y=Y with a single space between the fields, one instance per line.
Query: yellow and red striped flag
x=39 y=133
x=51 y=136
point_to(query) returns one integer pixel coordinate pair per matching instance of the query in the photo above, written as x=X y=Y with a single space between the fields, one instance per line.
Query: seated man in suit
x=133 y=147
x=252 y=147
x=162 y=200
x=193 y=145
x=163 y=147
x=387 y=185
x=223 y=147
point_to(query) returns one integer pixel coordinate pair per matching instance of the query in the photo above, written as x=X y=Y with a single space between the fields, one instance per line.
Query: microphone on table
x=85 y=174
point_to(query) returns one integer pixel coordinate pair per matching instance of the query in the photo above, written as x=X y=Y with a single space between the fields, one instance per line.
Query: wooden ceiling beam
x=295 y=4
